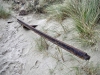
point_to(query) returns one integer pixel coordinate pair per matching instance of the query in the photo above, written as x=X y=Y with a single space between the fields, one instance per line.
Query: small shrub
x=3 y=13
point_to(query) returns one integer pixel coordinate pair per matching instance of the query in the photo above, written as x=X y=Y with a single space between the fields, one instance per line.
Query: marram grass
x=85 y=14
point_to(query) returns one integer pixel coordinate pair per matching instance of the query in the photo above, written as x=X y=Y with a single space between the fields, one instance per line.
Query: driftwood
x=61 y=44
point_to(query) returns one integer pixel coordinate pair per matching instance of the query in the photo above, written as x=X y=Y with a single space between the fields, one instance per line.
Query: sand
x=20 y=54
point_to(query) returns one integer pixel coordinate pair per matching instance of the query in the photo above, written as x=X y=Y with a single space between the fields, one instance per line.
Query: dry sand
x=20 y=55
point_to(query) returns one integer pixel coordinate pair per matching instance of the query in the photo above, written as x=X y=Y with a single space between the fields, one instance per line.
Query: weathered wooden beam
x=61 y=44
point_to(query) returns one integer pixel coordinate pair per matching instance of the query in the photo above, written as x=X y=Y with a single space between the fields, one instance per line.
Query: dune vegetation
x=86 y=15
x=3 y=13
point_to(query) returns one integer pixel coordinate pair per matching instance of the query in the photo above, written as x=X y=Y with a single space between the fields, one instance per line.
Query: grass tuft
x=58 y=12
x=41 y=44
x=3 y=13
x=86 y=15
x=89 y=69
